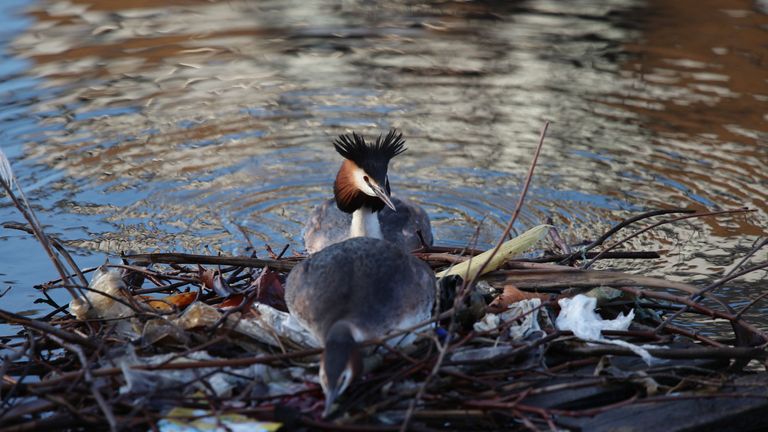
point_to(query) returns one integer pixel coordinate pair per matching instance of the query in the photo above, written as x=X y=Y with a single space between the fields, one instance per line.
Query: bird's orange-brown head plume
x=362 y=179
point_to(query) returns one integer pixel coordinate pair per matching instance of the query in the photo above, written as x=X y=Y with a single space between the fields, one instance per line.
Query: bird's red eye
x=365 y=178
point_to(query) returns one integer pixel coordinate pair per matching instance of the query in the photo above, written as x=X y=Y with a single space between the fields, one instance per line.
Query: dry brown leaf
x=166 y=304
x=510 y=295
x=231 y=302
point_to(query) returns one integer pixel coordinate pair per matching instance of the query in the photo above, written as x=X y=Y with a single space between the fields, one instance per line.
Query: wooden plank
x=688 y=411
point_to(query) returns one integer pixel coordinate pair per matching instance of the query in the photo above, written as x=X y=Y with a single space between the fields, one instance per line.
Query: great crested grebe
x=349 y=292
x=362 y=206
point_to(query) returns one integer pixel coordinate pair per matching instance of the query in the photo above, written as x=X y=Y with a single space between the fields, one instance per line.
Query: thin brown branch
x=182 y=258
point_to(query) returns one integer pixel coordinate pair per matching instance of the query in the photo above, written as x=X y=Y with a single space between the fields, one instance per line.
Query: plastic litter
x=106 y=286
x=221 y=380
x=578 y=315
x=197 y=420
x=103 y=301
x=477 y=354
x=525 y=312
x=267 y=325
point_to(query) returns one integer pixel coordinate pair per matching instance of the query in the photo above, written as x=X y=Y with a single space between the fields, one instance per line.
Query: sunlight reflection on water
x=140 y=127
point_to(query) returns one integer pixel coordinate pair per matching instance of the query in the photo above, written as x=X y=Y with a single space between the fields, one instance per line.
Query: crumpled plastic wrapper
x=221 y=380
x=526 y=312
x=482 y=354
x=270 y=322
x=268 y=325
x=578 y=315
x=159 y=329
x=96 y=305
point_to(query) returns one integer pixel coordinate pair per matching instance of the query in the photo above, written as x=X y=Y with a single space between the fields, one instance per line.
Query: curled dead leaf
x=511 y=295
x=167 y=304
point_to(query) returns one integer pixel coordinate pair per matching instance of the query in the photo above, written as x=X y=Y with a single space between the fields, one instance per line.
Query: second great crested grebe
x=353 y=291
x=362 y=206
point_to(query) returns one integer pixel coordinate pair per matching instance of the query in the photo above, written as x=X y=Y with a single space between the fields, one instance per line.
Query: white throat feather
x=365 y=223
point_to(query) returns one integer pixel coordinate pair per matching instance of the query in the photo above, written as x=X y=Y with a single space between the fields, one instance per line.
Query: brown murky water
x=141 y=127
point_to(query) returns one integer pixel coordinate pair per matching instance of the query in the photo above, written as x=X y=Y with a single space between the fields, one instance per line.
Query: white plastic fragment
x=525 y=312
x=482 y=354
x=268 y=325
x=489 y=322
x=221 y=381
x=106 y=299
x=578 y=315
x=102 y=301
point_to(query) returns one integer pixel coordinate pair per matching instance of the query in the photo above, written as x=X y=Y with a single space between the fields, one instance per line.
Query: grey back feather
x=328 y=225
x=371 y=283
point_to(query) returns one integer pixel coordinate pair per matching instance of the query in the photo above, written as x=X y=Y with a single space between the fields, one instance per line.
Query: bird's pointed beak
x=382 y=194
x=330 y=398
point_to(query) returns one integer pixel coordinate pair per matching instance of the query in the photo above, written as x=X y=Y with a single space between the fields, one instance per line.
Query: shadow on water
x=137 y=127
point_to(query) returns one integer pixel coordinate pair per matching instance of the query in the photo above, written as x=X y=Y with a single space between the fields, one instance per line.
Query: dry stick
x=588 y=255
x=695 y=298
x=666 y=221
x=438 y=257
x=182 y=258
x=676 y=353
x=448 y=249
x=442 y=349
x=41 y=237
x=157 y=275
x=46 y=328
x=688 y=302
x=521 y=199
x=236 y=362
x=624 y=223
x=555 y=236
x=752 y=303
x=518 y=207
x=57 y=245
x=105 y=409
x=757 y=246
x=59 y=280
x=465 y=288
x=553 y=276
x=582 y=252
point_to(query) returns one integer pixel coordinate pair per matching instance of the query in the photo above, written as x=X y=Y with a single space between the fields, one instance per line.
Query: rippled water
x=136 y=127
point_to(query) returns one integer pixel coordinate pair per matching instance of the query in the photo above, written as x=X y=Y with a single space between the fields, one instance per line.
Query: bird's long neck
x=365 y=223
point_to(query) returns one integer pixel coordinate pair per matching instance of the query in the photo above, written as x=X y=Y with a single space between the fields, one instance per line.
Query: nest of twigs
x=65 y=373
x=195 y=341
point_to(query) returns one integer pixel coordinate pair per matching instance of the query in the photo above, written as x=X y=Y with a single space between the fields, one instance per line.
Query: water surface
x=138 y=127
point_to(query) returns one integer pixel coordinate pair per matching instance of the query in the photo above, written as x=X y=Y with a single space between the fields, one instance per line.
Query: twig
x=46 y=329
x=467 y=284
x=619 y=226
x=559 y=242
x=700 y=295
x=57 y=245
x=666 y=221
x=86 y=368
x=29 y=215
x=182 y=258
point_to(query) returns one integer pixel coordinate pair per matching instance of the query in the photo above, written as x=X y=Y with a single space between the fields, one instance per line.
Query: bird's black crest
x=354 y=147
